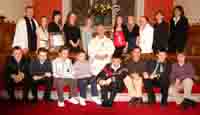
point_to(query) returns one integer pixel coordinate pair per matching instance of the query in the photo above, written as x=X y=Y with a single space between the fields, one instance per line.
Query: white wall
x=13 y=9
x=192 y=9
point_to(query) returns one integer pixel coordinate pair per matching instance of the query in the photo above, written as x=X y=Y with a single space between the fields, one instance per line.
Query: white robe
x=100 y=47
x=21 y=36
x=146 y=39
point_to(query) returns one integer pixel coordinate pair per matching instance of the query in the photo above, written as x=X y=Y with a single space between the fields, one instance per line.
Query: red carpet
x=91 y=109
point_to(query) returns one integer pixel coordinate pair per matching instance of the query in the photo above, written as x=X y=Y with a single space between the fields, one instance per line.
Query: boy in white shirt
x=62 y=72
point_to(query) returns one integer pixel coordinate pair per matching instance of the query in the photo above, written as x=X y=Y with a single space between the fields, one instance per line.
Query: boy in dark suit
x=159 y=71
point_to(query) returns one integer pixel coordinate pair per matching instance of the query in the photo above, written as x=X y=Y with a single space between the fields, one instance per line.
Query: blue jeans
x=83 y=83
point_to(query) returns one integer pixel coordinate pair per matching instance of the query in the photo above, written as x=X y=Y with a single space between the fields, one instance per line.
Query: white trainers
x=73 y=101
x=96 y=100
x=61 y=104
x=82 y=101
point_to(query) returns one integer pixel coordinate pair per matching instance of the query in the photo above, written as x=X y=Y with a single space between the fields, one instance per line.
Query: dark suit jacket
x=164 y=77
x=12 y=67
x=161 y=36
x=178 y=33
x=40 y=69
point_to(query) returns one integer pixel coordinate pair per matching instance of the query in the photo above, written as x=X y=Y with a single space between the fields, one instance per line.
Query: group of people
x=105 y=66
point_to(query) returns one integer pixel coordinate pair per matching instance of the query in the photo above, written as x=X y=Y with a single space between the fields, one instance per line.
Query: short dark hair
x=116 y=56
x=16 y=48
x=80 y=52
x=161 y=50
x=55 y=13
x=137 y=47
x=181 y=52
x=180 y=8
x=42 y=49
x=63 y=48
x=28 y=7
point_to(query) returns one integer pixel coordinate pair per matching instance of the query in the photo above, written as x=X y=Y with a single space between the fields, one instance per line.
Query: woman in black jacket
x=72 y=32
x=161 y=32
x=178 y=30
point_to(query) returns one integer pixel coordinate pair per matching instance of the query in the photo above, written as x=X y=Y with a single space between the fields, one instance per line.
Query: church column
x=66 y=8
x=139 y=9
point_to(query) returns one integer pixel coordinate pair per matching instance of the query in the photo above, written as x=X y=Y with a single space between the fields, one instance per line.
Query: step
x=121 y=97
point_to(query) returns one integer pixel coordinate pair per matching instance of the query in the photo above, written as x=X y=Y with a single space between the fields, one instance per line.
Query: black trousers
x=113 y=89
x=163 y=85
x=11 y=85
x=48 y=84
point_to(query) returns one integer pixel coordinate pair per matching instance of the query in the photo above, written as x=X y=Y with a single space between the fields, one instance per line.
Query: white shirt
x=43 y=37
x=62 y=68
x=146 y=39
x=21 y=36
x=99 y=46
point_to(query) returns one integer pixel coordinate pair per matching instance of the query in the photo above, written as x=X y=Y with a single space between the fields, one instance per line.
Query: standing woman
x=145 y=41
x=132 y=32
x=178 y=30
x=86 y=33
x=55 y=31
x=161 y=32
x=72 y=32
x=42 y=33
x=119 y=35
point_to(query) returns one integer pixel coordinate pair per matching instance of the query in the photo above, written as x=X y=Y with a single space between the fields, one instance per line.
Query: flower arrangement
x=101 y=9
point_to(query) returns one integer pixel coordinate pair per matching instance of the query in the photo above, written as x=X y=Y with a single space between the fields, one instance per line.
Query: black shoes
x=136 y=101
x=187 y=103
x=107 y=103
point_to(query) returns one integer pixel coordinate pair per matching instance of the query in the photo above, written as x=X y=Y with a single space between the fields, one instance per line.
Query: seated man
x=158 y=70
x=16 y=74
x=111 y=80
x=41 y=72
x=134 y=81
x=182 y=76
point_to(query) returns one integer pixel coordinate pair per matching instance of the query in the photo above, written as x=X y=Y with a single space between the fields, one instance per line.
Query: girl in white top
x=42 y=33
x=62 y=72
x=100 y=51
x=145 y=40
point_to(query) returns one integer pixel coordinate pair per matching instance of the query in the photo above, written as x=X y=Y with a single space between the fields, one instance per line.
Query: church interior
x=12 y=10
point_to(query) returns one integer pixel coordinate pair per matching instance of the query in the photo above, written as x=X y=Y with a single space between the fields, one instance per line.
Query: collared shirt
x=176 y=19
x=136 y=67
x=62 y=68
x=114 y=67
x=182 y=72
